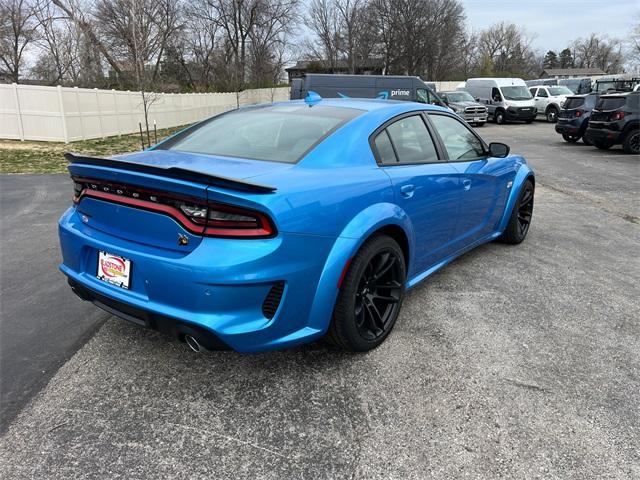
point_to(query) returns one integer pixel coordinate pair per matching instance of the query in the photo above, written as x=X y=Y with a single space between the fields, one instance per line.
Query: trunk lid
x=140 y=197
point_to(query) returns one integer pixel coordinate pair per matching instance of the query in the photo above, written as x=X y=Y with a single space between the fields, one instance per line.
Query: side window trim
x=445 y=154
x=434 y=138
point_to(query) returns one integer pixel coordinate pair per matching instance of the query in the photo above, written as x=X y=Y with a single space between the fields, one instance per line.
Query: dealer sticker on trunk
x=114 y=269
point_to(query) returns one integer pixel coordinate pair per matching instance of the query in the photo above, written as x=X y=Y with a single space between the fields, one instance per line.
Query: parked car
x=616 y=120
x=549 y=100
x=274 y=225
x=573 y=119
x=465 y=106
x=507 y=99
x=576 y=85
x=386 y=87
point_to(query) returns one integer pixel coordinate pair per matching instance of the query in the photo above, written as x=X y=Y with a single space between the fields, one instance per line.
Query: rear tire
x=370 y=296
x=520 y=219
x=632 y=142
x=552 y=115
x=570 y=138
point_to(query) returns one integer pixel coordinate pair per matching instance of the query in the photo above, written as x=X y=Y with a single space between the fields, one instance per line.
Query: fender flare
x=347 y=244
x=523 y=174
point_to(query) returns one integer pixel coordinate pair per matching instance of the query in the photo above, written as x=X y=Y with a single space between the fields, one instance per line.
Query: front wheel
x=370 y=296
x=632 y=142
x=586 y=141
x=499 y=117
x=529 y=121
x=520 y=219
x=570 y=138
x=480 y=124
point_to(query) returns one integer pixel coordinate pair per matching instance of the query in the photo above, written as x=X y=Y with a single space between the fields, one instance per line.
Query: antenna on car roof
x=312 y=98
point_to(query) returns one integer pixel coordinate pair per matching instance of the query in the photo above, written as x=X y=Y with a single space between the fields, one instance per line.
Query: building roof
x=573 y=71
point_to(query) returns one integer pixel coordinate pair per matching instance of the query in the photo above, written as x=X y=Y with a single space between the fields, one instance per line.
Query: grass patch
x=47 y=157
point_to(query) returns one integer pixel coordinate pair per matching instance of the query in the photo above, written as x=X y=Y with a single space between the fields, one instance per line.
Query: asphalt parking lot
x=512 y=362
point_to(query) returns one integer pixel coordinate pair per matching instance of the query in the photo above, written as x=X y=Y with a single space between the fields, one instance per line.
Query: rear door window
x=411 y=140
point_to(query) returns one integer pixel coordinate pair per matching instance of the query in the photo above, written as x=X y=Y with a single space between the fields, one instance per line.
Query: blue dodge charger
x=275 y=225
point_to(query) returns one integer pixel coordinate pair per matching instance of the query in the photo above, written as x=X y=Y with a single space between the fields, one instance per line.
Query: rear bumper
x=568 y=127
x=604 y=135
x=218 y=290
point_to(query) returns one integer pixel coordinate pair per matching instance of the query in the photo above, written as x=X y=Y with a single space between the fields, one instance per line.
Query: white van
x=506 y=98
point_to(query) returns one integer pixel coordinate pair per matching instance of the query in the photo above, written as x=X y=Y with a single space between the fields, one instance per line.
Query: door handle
x=466 y=184
x=407 y=191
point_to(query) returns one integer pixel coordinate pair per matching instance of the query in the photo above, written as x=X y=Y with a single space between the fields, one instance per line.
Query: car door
x=541 y=100
x=425 y=187
x=484 y=180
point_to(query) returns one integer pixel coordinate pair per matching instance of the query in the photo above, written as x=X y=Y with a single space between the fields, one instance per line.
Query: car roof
x=369 y=104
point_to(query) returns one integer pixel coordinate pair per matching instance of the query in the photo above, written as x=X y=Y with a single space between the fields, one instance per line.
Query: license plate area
x=114 y=269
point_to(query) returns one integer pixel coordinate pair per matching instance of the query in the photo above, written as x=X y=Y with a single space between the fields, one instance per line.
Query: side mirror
x=498 y=150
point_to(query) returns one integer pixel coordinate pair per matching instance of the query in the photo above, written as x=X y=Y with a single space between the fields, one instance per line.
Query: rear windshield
x=574 y=102
x=611 y=103
x=278 y=133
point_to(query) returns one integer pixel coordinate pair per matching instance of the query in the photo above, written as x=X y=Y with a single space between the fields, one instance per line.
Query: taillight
x=617 y=116
x=195 y=215
x=578 y=113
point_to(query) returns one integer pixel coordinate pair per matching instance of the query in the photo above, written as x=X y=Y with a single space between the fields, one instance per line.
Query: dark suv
x=615 y=120
x=574 y=117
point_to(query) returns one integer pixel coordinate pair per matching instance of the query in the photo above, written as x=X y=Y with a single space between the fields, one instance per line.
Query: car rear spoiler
x=174 y=172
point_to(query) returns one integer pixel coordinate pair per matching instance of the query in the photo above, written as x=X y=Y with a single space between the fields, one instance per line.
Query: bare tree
x=78 y=14
x=633 y=46
x=59 y=43
x=18 y=29
x=505 y=48
x=323 y=20
x=599 y=52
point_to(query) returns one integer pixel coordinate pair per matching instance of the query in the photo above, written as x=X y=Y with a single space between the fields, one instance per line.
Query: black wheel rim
x=378 y=295
x=525 y=211
x=635 y=143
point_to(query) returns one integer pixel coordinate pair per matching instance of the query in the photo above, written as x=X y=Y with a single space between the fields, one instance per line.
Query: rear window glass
x=612 y=103
x=573 y=103
x=278 y=133
x=385 y=149
x=412 y=141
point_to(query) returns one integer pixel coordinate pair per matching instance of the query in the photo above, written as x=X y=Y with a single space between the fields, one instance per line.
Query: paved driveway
x=517 y=362
x=42 y=324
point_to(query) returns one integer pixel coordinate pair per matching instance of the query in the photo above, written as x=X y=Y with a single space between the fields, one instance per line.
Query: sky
x=555 y=23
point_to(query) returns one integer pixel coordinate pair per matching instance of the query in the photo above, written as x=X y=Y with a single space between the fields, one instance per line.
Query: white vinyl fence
x=64 y=114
